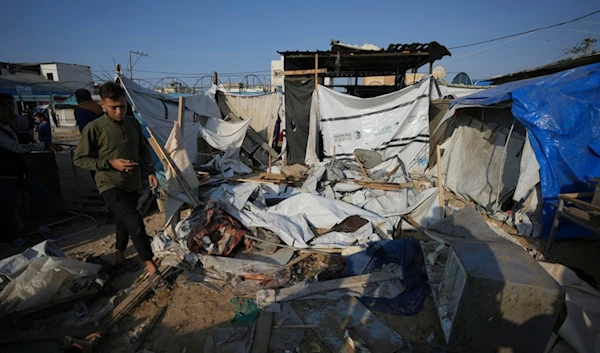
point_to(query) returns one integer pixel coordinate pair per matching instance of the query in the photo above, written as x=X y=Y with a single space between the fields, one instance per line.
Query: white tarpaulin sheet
x=395 y=124
x=14 y=265
x=224 y=135
x=43 y=280
x=473 y=157
x=325 y=213
x=581 y=328
x=176 y=195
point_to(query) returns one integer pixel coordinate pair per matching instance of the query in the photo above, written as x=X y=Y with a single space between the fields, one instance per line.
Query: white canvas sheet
x=396 y=124
x=473 y=157
x=224 y=135
x=262 y=110
x=176 y=195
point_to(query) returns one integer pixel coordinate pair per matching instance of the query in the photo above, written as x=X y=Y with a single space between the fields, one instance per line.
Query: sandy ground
x=194 y=312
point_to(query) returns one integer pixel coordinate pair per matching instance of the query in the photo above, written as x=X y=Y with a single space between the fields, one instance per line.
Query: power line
x=526 y=32
x=577 y=30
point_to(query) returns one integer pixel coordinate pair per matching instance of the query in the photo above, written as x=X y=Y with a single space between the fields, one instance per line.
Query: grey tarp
x=298 y=97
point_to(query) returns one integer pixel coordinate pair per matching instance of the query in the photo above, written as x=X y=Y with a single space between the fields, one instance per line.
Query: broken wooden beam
x=138 y=344
x=263 y=333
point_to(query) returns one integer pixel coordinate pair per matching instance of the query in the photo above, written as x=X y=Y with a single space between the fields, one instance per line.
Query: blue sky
x=193 y=37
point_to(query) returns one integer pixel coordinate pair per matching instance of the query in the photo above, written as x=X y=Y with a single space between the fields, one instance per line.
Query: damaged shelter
x=512 y=149
x=351 y=229
x=305 y=70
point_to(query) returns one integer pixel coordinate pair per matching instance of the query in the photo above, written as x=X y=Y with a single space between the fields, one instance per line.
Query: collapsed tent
x=525 y=142
x=202 y=116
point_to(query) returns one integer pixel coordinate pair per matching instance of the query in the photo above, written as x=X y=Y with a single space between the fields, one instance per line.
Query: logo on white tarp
x=396 y=124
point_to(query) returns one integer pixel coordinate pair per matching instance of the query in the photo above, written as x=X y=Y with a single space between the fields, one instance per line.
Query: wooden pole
x=362 y=168
x=269 y=164
x=166 y=159
x=181 y=114
x=316 y=72
x=440 y=181
x=215 y=79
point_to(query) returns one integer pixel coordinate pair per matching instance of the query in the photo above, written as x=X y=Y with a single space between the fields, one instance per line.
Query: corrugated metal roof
x=546 y=69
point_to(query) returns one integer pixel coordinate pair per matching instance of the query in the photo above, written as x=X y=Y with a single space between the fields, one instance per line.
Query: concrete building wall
x=77 y=75
x=276 y=69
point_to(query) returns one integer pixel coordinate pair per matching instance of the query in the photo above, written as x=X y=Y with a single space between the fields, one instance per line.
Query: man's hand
x=53 y=147
x=122 y=165
x=153 y=181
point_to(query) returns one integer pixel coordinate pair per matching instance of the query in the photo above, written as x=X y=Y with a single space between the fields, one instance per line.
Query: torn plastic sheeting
x=378 y=284
x=228 y=167
x=234 y=196
x=224 y=135
x=406 y=252
x=324 y=213
x=42 y=281
x=12 y=266
x=269 y=275
x=581 y=328
x=338 y=240
x=292 y=230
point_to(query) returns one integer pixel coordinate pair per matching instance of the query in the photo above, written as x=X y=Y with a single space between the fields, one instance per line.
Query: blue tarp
x=404 y=251
x=561 y=112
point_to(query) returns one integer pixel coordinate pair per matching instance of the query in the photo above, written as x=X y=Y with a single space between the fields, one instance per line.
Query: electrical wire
x=525 y=32
x=577 y=30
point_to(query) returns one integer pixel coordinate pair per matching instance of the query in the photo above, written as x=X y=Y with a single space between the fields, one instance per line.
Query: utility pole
x=131 y=65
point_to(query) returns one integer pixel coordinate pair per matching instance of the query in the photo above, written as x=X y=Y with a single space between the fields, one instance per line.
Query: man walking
x=113 y=146
x=87 y=110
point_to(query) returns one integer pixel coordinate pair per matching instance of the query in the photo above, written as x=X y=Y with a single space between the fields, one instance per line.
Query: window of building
x=50 y=76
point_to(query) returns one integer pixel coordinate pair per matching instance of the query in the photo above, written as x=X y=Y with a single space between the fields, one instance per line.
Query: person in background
x=13 y=173
x=44 y=129
x=20 y=125
x=87 y=110
x=113 y=145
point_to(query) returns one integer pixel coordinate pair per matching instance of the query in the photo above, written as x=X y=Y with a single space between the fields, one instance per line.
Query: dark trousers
x=8 y=193
x=123 y=205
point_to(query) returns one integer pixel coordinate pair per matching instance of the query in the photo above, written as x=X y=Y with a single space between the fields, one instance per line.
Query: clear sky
x=194 y=37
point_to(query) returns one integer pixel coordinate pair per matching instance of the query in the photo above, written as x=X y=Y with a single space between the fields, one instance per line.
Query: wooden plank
x=316 y=71
x=582 y=204
x=412 y=222
x=133 y=299
x=263 y=333
x=440 y=181
x=298 y=259
x=181 y=113
x=303 y=72
x=577 y=195
x=138 y=344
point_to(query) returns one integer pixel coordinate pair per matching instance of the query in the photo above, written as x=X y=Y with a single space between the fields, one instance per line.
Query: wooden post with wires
x=215 y=79
x=181 y=114
x=316 y=71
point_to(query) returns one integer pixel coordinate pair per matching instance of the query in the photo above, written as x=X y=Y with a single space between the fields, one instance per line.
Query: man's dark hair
x=5 y=97
x=40 y=115
x=83 y=95
x=112 y=91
